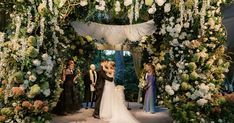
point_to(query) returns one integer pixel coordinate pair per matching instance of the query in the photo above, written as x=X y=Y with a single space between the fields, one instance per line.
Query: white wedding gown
x=113 y=107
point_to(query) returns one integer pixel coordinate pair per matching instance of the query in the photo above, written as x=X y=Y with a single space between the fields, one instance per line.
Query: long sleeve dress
x=150 y=94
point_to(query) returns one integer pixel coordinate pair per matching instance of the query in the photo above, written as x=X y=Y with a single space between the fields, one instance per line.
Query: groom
x=100 y=87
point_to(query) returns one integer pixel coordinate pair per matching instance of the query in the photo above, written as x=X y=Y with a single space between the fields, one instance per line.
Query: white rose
x=202 y=102
x=36 y=62
x=127 y=2
x=83 y=2
x=167 y=7
x=32 y=78
x=160 y=2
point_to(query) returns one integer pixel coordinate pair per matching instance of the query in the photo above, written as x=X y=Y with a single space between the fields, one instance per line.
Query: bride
x=112 y=107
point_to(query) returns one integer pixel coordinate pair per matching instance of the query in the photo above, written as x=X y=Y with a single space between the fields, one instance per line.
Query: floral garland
x=193 y=48
x=30 y=62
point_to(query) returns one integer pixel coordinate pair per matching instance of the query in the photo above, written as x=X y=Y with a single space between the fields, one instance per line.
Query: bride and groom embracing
x=110 y=102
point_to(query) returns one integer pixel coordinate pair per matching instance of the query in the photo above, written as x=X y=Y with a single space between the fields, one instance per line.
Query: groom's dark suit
x=99 y=89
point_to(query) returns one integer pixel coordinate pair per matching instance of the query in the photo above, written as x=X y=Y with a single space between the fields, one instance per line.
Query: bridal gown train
x=113 y=107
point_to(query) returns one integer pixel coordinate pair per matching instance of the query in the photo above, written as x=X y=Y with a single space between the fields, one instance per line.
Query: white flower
x=202 y=102
x=178 y=28
x=101 y=5
x=188 y=94
x=21 y=1
x=32 y=78
x=14 y=104
x=83 y=2
x=169 y=90
x=176 y=99
x=127 y=2
x=46 y=92
x=217 y=27
x=220 y=120
x=36 y=62
x=160 y=2
x=186 y=25
x=204 y=88
x=174 y=42
x=117 y=6
x=211 y=23
x=211 y=86
x=167 y=7
x=39 y=70
x=62 y=2
x=2 y=35
x=175 y=86
x=45 y=57
x=160 y=102
x=152 y=9
x=29 y=72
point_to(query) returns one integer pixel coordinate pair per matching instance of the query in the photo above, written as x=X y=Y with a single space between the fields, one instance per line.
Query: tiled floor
x=85 y=116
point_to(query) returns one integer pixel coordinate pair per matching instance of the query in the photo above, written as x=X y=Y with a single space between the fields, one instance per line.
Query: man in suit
x=100 y=87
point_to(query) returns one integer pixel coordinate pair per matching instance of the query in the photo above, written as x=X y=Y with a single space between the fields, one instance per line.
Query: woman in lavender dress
x=150 y=94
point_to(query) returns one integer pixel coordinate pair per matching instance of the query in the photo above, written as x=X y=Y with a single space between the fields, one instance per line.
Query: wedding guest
x=146 y=68
x=150 y=94
x=90 y=82
x=68 y=102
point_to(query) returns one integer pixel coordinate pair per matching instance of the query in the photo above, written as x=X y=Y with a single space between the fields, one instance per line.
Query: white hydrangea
x=169 y=90
x=45 y=57
x=46 y=92
x=177 y=28
x=202 y=102
x=175 y=86
x=39 y=70
x=36 y=62
x=204 y=88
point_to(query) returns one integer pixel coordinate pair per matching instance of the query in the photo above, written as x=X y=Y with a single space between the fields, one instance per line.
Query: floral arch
x=187 y=49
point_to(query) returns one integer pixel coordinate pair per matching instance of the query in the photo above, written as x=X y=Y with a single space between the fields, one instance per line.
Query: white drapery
x=114 y=34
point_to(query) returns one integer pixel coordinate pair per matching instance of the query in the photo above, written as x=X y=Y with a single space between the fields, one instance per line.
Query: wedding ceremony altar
x=187 y=45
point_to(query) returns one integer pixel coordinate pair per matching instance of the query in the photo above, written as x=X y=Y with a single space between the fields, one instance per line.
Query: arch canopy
x=113 y=36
